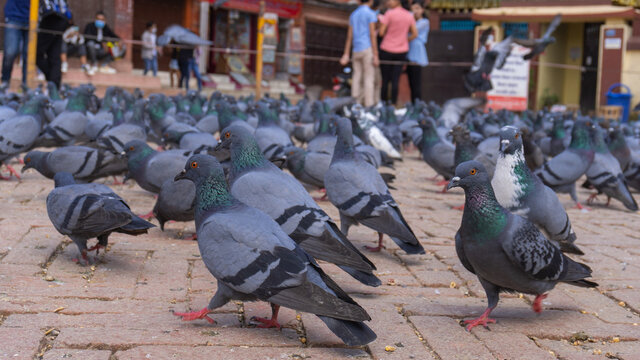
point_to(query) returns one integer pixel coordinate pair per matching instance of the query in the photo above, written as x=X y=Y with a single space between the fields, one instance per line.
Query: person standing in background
x=16 y=37
x=397 y=28
x=150 y=49
x=184 y=55
x=418 y=50
x=361 y=37
x=193 y=67
x=73 y=45
x=55 y=16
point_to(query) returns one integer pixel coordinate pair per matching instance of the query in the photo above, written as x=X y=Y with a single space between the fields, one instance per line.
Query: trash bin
x=620 y=99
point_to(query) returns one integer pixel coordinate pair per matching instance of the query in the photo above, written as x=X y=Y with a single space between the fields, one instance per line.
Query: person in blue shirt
x=361 y=38
x=418 y=51
x=16 y=37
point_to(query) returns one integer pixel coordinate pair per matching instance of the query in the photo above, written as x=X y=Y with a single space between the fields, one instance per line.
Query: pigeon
x=259 y=183
x=454 y=109
x=18 y=133
x=554 y=144
x=252 y=258
x=179 y=35
x=532 y=153
x=605 y=174
x=176 y=202
x=356 y=188
x=150 y=168
x=270 y=137
x=435 y=151
x=561 y=172
x=506 y=251
x=82 y=162
x=466 y=150
x=70 y=124
x=85 y=211
x=308 y=167
x=485 y=61
x=537 y=46
x=524 y=194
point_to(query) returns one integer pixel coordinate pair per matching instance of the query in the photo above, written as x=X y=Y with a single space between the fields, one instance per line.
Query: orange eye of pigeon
x=472 y=172
x=227 y=135
x=131 y=148
x=194 y=165
x=27 y=159
x=517 y=136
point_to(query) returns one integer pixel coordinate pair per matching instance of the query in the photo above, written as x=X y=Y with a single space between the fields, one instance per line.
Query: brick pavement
x=52 y=308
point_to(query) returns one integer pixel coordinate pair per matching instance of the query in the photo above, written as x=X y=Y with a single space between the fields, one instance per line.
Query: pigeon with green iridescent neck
x=358 y=191
x=605 y=174
x=84 y=163
x=113 y=139
x=554 y=144
x=85 y=211
x=67 y=127
x=57 y=102
x=629 y=160
x=19 y=132
x=506 y=251
x=524 y=194
x=176 y=202
x=563 y=170
x=227 y=115
x=466 y=150
x=259 y=183
x=209 y=121
x=271 y=138
x=307 y=166
x=253 y=259
x=150 y=168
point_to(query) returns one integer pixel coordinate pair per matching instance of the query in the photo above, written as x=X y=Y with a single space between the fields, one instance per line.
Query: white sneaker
x=40 y=77
x=94 y=69
x=88 y=70
x=64 y=67
x=107 y=70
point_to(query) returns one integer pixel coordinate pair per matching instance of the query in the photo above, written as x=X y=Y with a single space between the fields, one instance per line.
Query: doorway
x=589 y=78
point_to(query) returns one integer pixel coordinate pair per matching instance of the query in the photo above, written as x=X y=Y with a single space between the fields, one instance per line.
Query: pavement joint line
x=421 y=338
x=626 y=306
x=52 y=257
x=535 y=341
x=46 y=343
x=148 y=256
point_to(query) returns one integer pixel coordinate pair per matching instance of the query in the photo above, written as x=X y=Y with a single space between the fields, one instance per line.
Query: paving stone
x=72 y=354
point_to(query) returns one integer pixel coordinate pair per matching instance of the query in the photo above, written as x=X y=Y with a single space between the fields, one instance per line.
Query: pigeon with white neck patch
x=523 y=193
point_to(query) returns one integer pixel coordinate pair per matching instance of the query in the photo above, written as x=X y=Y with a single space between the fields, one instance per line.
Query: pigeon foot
x=97 y=248
x=196 y=315
x=483 y=320
x=592 y=198
x=376 y=248
x=460 y=208
x=193 y=236
x=13 y=172
x=581 y=207
x=147 y=216
x=269 y=323
x=324 y=197
x=116 y=181
x=537 y=303
x=83 y=260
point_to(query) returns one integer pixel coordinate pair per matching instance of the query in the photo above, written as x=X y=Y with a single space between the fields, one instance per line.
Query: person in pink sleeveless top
x=397 y=28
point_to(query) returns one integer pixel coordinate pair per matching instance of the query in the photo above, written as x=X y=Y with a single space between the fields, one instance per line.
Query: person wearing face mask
x=150 y=49
x=96 y=34
x=54 y=16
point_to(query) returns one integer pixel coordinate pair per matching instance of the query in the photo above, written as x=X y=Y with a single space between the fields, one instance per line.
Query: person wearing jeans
x=418 y=51
x=16 y=37
x=397 y=28
x=150 y=49
x=361 y=35
x=193 y=67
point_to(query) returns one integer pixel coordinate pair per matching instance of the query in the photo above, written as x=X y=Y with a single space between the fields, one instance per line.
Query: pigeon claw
x=582 y=207
x=266 y=323
x=537 y=303
x=97 y=248
x=376 y=248
x=13 y=172
x=591 y=199
x=193 y=236
x=483 y=320
x=147 y=216
x=459 y=208
x=196 y=315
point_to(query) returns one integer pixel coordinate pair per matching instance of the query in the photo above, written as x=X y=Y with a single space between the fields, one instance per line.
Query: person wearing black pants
x=391 y=73
x=54 y=16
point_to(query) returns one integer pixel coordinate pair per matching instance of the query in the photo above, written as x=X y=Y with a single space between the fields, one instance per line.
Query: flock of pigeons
x=258 y=229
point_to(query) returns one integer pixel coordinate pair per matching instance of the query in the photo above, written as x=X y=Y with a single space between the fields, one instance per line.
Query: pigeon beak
x=453 y=183
x=123 y=153
x=219 y=146
x=504 y=144
x=181 y=175
x=24 y=168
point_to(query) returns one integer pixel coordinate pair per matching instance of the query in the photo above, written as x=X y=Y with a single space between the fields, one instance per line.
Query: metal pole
x=259 y=46
x=33 y=43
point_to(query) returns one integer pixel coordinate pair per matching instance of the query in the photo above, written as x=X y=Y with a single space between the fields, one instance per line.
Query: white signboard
x=511 y=83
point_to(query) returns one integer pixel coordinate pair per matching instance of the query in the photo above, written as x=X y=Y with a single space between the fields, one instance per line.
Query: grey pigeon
x=85 y=211
x=253 y=259
x=180 y=35
x=150 y=168
x=466 y=150
x=82 y=162
x=524 y=194
x=18 y=133
x=538 y=45
x=507 y=252
x=271 y=138
x=606 y=175
x=176 y=202
x=358 y=191
x=435 y=151
x=259 y=183
x=308 y=167
x=70 y=124
x=561 y=172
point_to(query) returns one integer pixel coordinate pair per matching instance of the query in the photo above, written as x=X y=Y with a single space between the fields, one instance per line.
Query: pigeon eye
x=227 y=135
x=472 y=172
x=517 y=136
x=131 y=148
x=27 y=159
x=194 y=165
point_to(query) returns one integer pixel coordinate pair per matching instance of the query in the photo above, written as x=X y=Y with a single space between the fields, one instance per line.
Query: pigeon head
x=460 y=134
x=597 y=139
x=345 y=134
x=294 y=158
x=34 y=106
x=212 y=189
x=79 y=100
x=136 y=151
x=325 y=125
x=510 y=140
x=580 y=135
x=266 y=115
x=32 y=160
x=63 y=178
x=245 y=153
x=469 y=174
